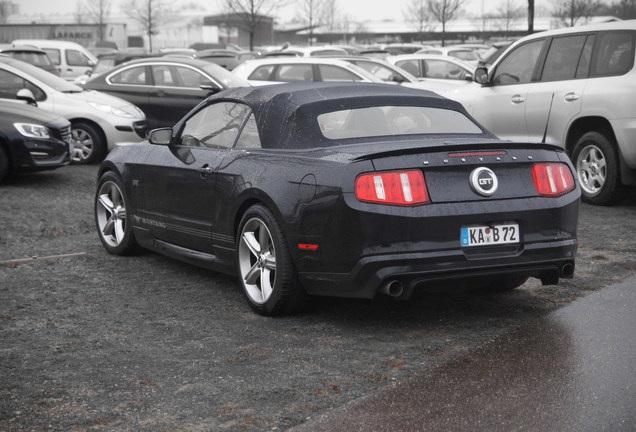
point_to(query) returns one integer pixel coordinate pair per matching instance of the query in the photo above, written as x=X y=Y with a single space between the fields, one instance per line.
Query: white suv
x=574 y=87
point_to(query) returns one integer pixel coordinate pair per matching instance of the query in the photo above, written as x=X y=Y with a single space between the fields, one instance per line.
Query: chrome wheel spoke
x=253 y=274
x=269 y=261
x=266 y=285
x=106 y=203
x=249 y=239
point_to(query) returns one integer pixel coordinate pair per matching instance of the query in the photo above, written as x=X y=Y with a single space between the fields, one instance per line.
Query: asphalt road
x=90 y=341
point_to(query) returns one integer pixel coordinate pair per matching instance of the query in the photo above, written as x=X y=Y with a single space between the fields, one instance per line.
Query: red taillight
x=552 y=179
x=393 y=187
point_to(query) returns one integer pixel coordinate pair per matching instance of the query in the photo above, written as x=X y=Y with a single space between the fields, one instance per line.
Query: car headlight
x=109 y=109
x=33 y=130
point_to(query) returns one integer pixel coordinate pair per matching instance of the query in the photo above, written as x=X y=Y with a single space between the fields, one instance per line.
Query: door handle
x=517 y=99
x=205 y=170
x=571 y=97
x=160 y=93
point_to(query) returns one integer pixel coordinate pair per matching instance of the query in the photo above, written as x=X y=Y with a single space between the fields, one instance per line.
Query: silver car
x=573 y=87
x=295 y=69
x=98 y=121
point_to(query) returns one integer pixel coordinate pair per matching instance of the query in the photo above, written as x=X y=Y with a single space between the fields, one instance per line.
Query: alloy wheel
x=257 y=260
x=591 y=168
x=111 y=214
x=82 y=145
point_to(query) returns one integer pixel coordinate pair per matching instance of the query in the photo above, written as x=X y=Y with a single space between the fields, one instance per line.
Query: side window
x=444 y=69
x=215 y=126
x=563 y=58
x=614 y=53
x=586 y=58
x=518 y=66
x=190 y=78
x=163 y=76
x=295 y=72
x=411 y=66
x=262 y=73
x=335 y=73
x=380 y=71
x=76 y=58
x=134 y=75
x=54 y=55
x=249 y=135
x=10 y=84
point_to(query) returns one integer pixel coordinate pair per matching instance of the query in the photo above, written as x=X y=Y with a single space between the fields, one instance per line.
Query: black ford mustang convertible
x=343 y=190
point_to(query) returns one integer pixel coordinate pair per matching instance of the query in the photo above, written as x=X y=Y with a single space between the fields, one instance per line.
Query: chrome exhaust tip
x=567 y=271
x=393 y=288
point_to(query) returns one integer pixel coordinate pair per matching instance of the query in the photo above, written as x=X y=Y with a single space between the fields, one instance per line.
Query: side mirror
x=481 y=75
x=161 y=136
x=209 y=86
x=27 y=96
x=397 y=78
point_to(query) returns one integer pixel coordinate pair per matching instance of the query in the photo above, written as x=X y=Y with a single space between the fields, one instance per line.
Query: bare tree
x=4 y=12
x=252 y=13
x=312 y=13
x=151 y=14
x=98 y=11
x=445 y=11
x=417 y=15
x=623 y=9
x=331 y=12
x=80 y=13
x=509 y=13
x=573 y=12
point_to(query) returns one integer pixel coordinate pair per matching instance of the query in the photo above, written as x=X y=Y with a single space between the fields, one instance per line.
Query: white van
x=70 y=58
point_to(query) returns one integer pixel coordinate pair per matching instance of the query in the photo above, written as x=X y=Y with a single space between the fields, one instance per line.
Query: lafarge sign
x=84 y=35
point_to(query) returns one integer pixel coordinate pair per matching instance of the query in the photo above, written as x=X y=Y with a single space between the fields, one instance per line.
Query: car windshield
x=394 y=120
x=32 y=57
x=103 y=65
x=466 y=55
x=227 y=78
x=47 y=78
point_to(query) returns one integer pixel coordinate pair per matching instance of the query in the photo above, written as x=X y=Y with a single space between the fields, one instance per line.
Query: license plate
x=490 y=235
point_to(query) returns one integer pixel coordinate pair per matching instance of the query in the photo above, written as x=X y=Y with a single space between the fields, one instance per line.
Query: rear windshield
x=394 y=120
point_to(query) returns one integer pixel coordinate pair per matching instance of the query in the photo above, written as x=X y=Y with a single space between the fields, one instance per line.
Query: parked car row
x=98 y=120
x=559 y=87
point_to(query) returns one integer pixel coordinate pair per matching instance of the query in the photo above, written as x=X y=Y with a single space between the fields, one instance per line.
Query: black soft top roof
x=286 y=113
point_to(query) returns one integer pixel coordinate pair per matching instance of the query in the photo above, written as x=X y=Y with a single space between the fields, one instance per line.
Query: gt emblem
x=484 y=181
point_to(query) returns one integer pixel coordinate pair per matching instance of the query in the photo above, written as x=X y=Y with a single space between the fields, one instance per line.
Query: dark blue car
x=31 y=139
x=342 y=189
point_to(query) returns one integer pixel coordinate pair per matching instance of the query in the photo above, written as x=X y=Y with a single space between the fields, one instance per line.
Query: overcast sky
x=357 y=10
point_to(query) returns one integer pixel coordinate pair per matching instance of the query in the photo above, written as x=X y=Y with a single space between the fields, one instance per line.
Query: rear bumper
x=548 y=261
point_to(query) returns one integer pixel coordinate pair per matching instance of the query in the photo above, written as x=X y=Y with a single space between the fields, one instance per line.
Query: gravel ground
x=92 y=341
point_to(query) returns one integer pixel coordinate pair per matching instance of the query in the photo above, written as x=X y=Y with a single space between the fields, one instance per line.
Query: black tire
x=267 y=274
x=88 y=144
x=4 y=163
x=504 y=283
x=595 y=158
x=112 y=218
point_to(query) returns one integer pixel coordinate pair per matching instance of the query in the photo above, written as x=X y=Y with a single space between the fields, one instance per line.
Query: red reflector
x=393 y=187
x=304 y=246
x=552 y=179
x=485 y=153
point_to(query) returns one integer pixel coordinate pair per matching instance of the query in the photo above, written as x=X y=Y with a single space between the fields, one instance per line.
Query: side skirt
x=190 y=256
